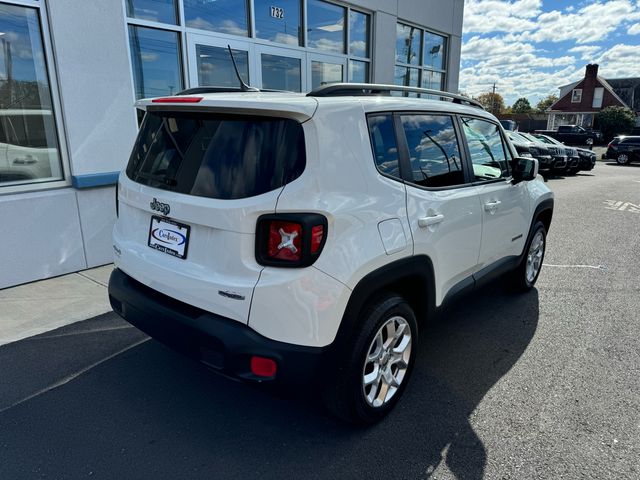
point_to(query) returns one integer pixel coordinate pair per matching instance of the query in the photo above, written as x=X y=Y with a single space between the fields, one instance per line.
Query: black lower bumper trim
x=221 y=343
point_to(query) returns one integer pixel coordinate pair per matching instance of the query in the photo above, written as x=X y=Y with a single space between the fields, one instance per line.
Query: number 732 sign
x=277 y=12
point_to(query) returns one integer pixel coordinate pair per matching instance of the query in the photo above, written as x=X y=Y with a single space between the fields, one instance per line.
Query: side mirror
x=524 y=169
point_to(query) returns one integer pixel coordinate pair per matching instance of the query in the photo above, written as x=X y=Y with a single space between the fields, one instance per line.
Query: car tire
x=622 y=159
x=382 y=353
x=524 y=277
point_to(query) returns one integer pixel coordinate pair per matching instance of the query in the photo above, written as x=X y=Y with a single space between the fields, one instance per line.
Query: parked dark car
x=573 y=135
x=581 y=159
x=559 y=154
x=624 y=149
x=527 y=148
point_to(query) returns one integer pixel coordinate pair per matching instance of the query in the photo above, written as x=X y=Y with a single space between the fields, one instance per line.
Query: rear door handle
x=428 y=221
x=491 y=206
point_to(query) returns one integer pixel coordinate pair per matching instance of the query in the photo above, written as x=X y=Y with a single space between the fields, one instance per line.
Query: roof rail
x=201 y=90
x=365 y=89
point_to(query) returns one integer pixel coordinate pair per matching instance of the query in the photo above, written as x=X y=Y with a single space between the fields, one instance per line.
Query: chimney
x=592 y=71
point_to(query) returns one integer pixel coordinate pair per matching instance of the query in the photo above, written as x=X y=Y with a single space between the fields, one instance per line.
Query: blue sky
x=531 y=47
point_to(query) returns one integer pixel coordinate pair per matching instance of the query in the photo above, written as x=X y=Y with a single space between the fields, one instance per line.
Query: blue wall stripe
x=94 y=179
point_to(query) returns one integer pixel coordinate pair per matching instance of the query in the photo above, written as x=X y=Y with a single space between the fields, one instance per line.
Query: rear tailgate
x=189 y=200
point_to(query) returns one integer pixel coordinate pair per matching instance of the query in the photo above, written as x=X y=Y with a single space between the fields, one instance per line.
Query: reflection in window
x=486 y=148
x=163 y=11
x=323 y=73
x=215 y=67
x=281 y=26
x=408 y=44
x=433 y=150
x=325 y=26
x=434 y=47
x=407 y=77
x=155 y=55
x=383 y=143
x=224 y=16
x=432 y=80
x=281 y=73
x=28 y=136
x=358 y=71
x=359 y=34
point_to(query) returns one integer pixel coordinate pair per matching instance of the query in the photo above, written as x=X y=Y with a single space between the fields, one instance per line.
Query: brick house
x=580 y=101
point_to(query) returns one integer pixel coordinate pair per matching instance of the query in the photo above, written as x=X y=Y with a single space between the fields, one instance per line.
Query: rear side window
x=487 y=149
x=434 y=153
x=217 y=156
x=383 y=143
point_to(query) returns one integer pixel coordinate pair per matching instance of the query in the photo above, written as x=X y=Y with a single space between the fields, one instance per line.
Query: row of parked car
x=554 y=157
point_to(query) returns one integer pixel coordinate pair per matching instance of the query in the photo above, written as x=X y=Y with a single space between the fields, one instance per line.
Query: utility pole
x=493 y=100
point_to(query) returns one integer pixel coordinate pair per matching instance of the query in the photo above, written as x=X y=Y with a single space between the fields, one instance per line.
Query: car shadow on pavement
x=151 y=413
x=636 y=165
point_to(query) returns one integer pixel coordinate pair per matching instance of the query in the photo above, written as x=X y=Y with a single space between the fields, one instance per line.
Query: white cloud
x=483 y=16
x=586 y=52
x=634 y=29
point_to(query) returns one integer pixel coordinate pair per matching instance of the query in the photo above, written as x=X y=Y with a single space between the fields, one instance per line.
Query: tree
x=545 y=103
x=614 y=121
x=521 y=105
x=492 y=102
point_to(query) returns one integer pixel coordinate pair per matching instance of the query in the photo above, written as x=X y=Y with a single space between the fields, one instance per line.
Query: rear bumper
x=221 y=343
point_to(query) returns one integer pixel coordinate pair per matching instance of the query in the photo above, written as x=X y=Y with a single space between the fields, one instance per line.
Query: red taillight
x=317 y=234
x=285 y=241
x=290 y=239
x=177 y=100
x=263 y=367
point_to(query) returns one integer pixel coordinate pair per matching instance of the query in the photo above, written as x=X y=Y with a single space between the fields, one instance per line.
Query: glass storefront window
x=407 y=76
x=434 y=48
x=224 y=16
x=163 y=11
x=358 y=71
x=155 y=55
x=281 y=73
x=432 y=80
x=323 y=73
x=278 y=21
x=215 y=67
x=28 y=135
x=359 y=34
x=325 y=26
x=408 y=40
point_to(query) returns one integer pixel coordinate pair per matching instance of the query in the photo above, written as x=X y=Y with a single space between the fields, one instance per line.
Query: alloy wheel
x=534 y=257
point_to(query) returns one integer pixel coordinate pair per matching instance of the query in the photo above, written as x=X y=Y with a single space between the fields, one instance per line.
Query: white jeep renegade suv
x=288 y=237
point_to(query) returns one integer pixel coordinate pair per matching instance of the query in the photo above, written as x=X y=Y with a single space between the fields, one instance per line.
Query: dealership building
x=70 y=72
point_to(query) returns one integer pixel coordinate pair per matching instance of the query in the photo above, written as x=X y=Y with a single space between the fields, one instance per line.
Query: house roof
x=602 y=81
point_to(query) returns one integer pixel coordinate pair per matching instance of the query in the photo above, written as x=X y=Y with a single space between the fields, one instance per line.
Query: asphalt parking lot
x=542 y=385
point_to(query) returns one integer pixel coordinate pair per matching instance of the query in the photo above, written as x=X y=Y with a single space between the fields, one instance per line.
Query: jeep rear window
x=215 y=155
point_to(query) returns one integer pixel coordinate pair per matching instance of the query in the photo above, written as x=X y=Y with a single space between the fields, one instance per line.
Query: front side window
x=434 y=153
x=383 y=143
x=487 y=149
x=217 y=156
x=28 y=136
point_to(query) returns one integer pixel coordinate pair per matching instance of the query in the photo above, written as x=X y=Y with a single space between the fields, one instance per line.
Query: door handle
x=491 y=206
x=428 y=221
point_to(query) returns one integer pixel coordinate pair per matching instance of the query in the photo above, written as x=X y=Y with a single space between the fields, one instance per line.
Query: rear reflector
x=285 y=240
x=263 y=367
x=177 y=100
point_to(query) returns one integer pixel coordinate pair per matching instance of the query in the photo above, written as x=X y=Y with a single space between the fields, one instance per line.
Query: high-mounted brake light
x=290 y=240
x=177 y=100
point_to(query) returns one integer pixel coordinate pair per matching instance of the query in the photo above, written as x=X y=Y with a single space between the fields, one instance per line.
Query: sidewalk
x=41 y=306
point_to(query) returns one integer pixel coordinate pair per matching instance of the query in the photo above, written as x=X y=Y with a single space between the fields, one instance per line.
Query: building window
x=162 y=11
x=420 y=58
x=598 y=95
x=281 y=23
x=325 y=26
x=155 y=55
x=576 y=95
x=28 y=133
x=223 y=16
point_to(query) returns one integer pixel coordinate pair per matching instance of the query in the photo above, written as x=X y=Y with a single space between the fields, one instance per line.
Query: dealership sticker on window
x=277 y=12
x=169 y=237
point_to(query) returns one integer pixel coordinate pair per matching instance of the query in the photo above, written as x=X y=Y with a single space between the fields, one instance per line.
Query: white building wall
x=53 y=232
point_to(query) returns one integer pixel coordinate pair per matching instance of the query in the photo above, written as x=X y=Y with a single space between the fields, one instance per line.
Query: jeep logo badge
x=163 y=208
